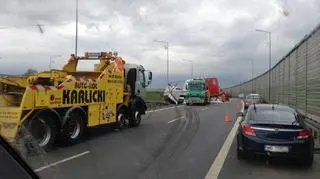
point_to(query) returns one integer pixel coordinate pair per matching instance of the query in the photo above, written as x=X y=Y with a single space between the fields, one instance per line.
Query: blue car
x=274 y=130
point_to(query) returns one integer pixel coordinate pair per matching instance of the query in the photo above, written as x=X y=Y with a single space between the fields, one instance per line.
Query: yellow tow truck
x=60 y=104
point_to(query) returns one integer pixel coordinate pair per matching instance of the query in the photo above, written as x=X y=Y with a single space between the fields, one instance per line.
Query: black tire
x=43 y=129
x=136 y=118
x=241 y=154
x=206 y=101
x=307 y=161
x=73 y=128
x=122 y=122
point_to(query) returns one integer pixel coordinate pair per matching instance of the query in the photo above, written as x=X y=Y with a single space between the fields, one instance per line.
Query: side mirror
x=149 y=77
x=301 y=116
x=240 y=114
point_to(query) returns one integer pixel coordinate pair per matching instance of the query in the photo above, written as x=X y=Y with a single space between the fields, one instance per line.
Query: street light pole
x=39 y=26
x=269 y=66
x=166 y=46
x=191 y=69
x=269 y=39
x=269 y=34
x=76 y=43
x=252 y=74
x=191 y=65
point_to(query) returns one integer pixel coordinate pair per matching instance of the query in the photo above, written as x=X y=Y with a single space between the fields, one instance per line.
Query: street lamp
x=190 y=61
x=50 y=61
x=39 y=26
x=76 y=39
x=166 y=46
x=252 y=68
x=269 y=36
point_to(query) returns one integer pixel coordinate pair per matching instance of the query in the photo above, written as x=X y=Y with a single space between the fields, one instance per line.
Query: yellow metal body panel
x=93 y=114
x=101 y=95
x=9 y=100
x=71 y=66
x=10 y=121
x=41 y=99
x=108 y=114
x=15 y=80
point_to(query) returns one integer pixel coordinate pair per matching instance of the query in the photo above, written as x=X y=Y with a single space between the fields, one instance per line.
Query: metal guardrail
x=295 y=80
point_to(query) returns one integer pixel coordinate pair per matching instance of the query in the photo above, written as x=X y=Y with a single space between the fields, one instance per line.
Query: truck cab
x=138 y=78
x=196 y=92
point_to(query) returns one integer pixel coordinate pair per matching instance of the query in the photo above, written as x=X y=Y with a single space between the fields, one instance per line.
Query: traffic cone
x=227 y=117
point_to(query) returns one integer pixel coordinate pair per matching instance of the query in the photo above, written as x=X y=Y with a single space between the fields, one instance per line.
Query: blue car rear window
x=272 y=116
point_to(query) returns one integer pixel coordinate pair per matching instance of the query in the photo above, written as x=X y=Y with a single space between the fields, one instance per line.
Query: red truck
x=213 y=87
x=224 y=95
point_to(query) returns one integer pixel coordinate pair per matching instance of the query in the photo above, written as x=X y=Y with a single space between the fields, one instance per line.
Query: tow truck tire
x=43 y=129
x=136 y=118
x=122 y=122
x=73 y=128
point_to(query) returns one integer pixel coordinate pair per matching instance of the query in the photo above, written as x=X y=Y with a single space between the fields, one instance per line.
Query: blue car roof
x=269 y=106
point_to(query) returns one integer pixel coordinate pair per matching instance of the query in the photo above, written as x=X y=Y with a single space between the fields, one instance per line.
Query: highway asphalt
x=177 y=142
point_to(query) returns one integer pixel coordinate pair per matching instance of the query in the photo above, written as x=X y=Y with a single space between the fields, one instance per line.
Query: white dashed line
x=215 y=168
x=175 y=120
x=204 y=109
x=61 y=161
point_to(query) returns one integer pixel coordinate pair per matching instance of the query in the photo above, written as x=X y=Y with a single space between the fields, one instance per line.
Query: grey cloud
x=221 y=42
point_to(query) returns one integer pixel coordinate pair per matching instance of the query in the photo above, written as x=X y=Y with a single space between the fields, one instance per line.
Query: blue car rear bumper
x=254 y=145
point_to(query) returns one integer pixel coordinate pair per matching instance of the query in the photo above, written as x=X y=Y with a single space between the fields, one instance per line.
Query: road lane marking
x=175 y=119
x=156 y=110
x=61 y=161
x=204 y=109
x=215 y=168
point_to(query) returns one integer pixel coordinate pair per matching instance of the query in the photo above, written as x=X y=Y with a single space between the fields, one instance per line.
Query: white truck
x=175 y=92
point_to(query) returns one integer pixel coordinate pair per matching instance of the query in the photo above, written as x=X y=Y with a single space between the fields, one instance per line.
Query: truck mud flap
x=9 y=122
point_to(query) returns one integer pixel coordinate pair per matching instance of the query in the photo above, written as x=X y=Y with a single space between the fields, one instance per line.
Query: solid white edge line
x=216 y=166
x=162 y=109
x=175 y=120
x=61 y=161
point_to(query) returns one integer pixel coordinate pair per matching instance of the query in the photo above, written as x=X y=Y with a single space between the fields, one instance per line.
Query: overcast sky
x=218 y=35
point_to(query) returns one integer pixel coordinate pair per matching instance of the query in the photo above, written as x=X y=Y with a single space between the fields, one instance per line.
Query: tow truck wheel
x=122 y=122
x=136 y=119
x=43 y=129
x=73 y=128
